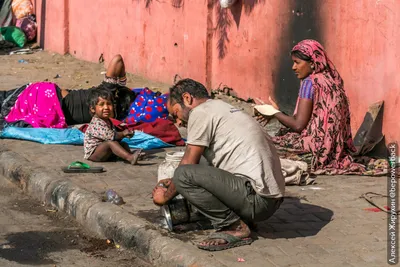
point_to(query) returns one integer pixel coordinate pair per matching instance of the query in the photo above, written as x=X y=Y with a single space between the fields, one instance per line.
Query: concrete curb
x=103 y=219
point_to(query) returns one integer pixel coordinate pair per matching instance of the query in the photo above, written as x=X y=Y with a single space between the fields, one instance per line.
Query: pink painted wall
x=242 y=47
x=52 y=21
x=246 y=47
x=157 y=41
x=362 y=38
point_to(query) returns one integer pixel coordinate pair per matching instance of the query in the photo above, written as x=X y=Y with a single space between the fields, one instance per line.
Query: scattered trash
x=57 y=76
x=377 y=209
x=117 y=246
x=109 y=241
x=24 y=51
x=6 y=246
x=316 y=188
x=103 y=72
x=372 y=198
x=112 y=197
x=312 y=188
x=22 y=61
x=240 y=260
x=51 y=210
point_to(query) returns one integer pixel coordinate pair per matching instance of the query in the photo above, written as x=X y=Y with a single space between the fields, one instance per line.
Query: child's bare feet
x=142 y=155
x=133 y=158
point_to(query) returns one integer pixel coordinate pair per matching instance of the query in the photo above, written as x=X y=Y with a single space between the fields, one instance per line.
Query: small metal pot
x=179 y=211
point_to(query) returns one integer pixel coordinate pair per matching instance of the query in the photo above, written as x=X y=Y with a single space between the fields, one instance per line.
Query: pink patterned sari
x=326 y=142
x=39 y=106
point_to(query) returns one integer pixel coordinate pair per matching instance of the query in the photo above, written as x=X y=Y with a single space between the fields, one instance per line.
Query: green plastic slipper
x=81 y=167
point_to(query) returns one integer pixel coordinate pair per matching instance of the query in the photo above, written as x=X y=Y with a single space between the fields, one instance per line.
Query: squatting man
x=244 y=182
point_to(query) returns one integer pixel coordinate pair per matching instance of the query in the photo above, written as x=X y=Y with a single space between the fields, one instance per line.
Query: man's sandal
x=232 y=241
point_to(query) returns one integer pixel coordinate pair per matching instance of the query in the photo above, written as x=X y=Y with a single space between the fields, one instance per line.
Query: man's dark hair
x=95 y=93
x=195 y=89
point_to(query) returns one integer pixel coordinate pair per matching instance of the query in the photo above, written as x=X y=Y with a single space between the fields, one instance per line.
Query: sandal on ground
x=232 y=241
x=80 y=167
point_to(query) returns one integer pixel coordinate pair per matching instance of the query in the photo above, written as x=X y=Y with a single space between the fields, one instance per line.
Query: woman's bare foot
x=238 y=229
x=133 y=158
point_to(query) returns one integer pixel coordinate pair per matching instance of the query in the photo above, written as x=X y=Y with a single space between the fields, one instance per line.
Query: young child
x=101 y=138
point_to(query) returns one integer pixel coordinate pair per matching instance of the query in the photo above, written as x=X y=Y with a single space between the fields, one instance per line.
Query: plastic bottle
x=168 y=166
x=113 y=197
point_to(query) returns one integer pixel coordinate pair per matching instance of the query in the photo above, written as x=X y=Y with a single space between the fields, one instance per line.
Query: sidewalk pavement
x=319 y=225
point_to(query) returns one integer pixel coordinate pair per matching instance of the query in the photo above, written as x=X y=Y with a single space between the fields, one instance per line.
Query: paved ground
x=35 y=235
x=325 y=224
x=321 y=225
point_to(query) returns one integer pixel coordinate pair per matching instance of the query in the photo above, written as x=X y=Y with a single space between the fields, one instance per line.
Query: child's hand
x=128 y=133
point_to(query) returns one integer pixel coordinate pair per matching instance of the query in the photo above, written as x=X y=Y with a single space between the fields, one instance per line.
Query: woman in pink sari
x=319 y=131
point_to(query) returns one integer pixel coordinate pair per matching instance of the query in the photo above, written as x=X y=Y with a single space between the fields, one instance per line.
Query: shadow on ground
x=295 y=219
x=33 y=247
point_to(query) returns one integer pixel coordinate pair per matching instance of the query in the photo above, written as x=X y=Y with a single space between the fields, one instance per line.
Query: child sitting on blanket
x=102 y=140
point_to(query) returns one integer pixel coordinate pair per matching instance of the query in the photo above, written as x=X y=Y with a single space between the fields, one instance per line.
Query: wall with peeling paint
x=245 y=47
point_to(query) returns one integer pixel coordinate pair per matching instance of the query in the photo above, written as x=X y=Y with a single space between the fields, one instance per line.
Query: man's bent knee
x=181 y=175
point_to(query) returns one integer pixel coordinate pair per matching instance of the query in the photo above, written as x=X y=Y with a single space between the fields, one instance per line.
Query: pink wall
x=157 y=42
x=362 y=38
x=242 y=47
x=245 y=62
x=52 y=21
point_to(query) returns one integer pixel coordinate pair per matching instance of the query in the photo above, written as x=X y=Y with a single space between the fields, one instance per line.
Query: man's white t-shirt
x=236 y=143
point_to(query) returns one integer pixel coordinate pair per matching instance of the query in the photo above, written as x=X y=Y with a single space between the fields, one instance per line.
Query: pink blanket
x=39 y=106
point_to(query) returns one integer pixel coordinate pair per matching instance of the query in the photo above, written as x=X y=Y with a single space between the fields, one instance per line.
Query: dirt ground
x=73 y=73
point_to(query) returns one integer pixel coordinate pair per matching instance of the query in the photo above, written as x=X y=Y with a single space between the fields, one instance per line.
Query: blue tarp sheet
x=73 y=136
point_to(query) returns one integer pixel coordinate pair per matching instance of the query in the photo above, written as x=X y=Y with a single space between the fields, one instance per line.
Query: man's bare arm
x=192 y=156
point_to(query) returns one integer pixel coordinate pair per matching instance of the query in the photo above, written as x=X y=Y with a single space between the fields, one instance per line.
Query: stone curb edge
x=103 y=219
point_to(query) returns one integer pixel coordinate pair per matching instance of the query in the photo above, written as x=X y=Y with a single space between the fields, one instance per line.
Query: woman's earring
x=312 y=66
